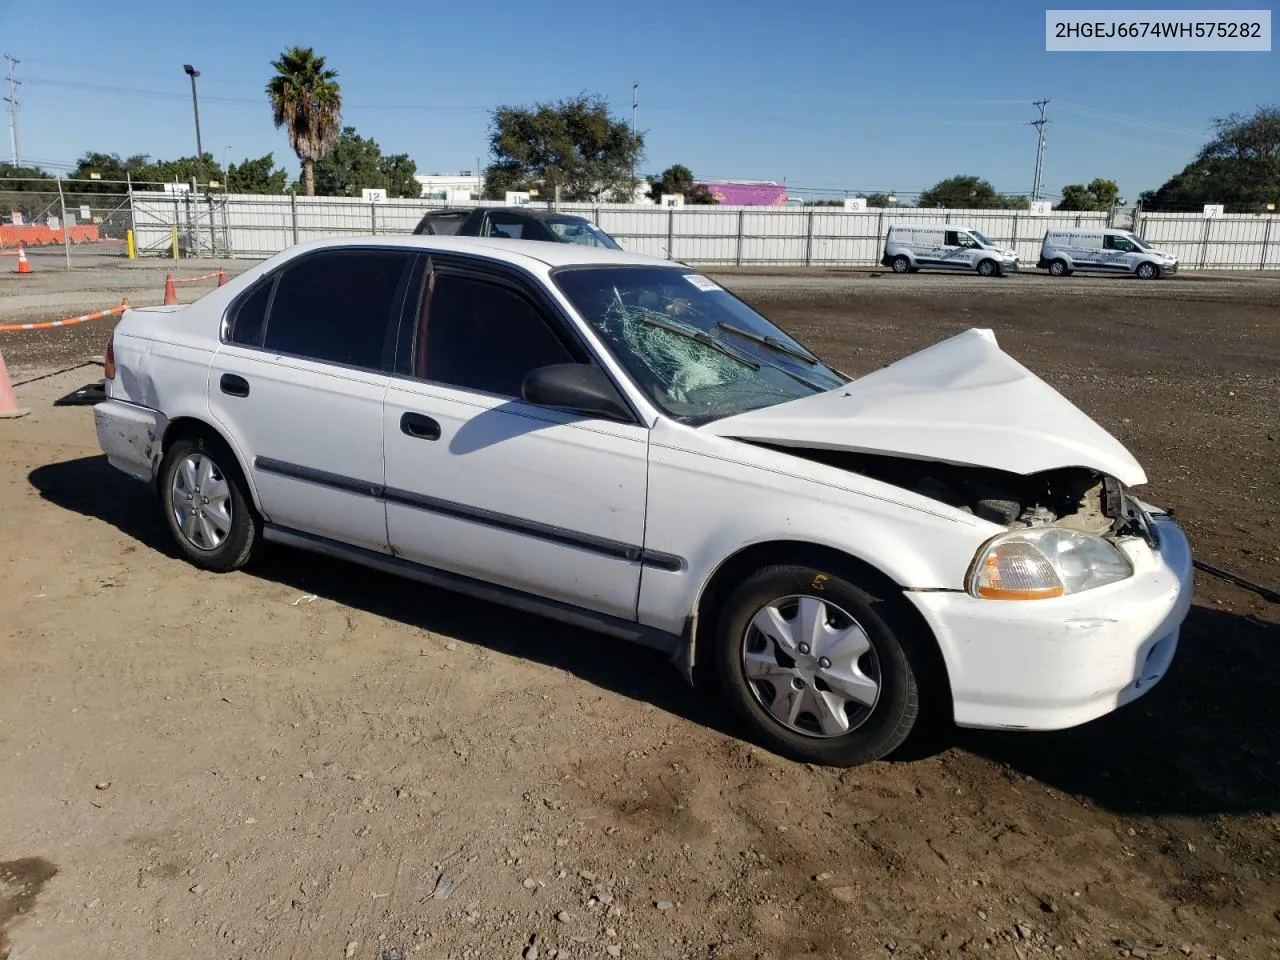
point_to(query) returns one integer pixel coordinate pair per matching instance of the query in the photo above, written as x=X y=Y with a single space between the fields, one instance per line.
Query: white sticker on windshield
x=701 y=282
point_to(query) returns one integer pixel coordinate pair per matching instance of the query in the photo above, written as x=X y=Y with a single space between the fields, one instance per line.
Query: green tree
x=398 y=173
x=109 y=167
x=256 y=176
x=28 y=191
x=677 y=179
x=356 y=162
x=878 y=200
x=307 y=102
x=350 y=165
x=1239 y=168
x=967 y=192
x=1098 y=195
x=573 y=144
x=184 y=170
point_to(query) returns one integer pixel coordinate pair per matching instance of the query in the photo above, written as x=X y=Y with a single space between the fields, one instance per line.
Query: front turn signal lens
x=1016 y=570
x=1045 y=562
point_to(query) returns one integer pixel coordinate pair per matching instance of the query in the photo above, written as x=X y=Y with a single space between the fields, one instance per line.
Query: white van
x=947 y=246
x=1103 y=251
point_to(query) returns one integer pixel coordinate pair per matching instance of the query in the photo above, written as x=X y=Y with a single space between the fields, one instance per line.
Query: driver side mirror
x=579 y=387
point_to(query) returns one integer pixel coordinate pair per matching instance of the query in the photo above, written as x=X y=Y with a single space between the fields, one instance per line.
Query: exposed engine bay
x=1076 y=498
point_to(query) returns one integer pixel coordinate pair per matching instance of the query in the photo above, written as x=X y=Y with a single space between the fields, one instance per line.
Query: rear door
x=298 y=385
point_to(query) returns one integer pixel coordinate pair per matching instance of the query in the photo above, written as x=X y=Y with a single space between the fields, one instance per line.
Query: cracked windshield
x=696 y=350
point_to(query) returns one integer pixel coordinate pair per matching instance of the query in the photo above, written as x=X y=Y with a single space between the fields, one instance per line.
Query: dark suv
x=515 y=223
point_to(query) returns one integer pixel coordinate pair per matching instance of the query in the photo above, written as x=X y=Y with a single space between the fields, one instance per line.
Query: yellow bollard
x=173 y=236
x=133 y=250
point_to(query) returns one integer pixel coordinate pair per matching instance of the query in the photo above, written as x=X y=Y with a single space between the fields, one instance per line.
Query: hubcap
x=811 y=666
x=200 y=499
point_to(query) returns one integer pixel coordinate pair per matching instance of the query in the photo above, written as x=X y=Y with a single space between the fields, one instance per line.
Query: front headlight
x=1045 y=562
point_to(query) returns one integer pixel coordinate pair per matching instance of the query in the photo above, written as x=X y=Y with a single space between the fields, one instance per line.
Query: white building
x=451 y=187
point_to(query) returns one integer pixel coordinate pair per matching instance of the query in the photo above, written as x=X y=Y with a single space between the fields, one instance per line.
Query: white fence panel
x=258 y=226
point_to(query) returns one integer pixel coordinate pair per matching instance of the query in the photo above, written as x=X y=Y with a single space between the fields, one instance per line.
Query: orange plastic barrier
x=34 y=235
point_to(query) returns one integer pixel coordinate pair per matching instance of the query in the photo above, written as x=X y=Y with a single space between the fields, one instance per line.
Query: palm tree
x=306 y=100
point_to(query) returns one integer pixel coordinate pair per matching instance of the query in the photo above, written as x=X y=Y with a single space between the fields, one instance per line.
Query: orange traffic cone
x=23 y=266
x=9 y=408
x=222 y=277
x=170 y=295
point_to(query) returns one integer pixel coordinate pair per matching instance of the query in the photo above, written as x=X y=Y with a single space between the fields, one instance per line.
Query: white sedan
x=618 y=442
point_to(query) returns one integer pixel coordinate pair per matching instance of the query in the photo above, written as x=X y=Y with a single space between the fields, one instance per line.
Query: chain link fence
x=65 y=221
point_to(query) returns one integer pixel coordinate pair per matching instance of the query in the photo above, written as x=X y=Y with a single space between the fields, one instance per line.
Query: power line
x=12 y=100
x=1039 y=125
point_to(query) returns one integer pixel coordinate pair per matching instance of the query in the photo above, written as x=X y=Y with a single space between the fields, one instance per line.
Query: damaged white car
x=618 y=442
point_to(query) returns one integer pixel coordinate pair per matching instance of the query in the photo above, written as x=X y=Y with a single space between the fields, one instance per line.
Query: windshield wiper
x=773 y=343
x=699 y=336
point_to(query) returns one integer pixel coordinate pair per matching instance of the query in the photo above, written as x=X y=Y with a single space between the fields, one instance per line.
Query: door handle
x=233 y=385
x=419 y=427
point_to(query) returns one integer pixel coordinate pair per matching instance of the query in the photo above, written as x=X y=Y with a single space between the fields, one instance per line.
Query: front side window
x=585 y=232
x=482 y=335
x=1112 y=242
x=338 y=307
x=698 y=352
x=506 y=228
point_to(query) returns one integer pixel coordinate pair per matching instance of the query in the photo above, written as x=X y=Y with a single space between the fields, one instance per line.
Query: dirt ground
x=308 y=760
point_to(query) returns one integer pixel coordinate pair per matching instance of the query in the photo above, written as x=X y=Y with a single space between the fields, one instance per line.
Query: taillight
x=109 y=359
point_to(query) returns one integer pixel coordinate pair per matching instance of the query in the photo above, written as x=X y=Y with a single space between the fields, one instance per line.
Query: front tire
x=1148 y=271
x=815 y=666
x=901 y=264
x=988 y=268
x=206 y=504
x=1058 y=268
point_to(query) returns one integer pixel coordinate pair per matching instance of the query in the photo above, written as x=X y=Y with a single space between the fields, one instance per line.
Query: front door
x=481 y=483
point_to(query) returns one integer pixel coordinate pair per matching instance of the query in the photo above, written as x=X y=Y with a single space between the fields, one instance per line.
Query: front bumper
x=130 y=436
x=1051 y=664
x=1169 y=268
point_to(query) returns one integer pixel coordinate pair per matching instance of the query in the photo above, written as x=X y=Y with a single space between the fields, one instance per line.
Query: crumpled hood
x=963 y=400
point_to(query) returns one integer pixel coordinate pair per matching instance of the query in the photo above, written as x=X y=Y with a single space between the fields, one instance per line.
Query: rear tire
x=206 y=503
x=817 y=667
x=901 y=264
x=988 y=268
x=1148 y=271
x=1058 y=268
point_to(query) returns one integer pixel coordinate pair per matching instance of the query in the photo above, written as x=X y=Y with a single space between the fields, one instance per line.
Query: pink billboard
x=748 y=194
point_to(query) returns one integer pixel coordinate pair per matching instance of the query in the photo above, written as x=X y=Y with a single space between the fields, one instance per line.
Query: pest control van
x=1063 y=252
x=945 y=246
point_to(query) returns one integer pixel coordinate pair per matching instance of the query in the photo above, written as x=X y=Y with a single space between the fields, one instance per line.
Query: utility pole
x=192 y=72
x=635 y=102
x=12 y=100
x=1039 y=125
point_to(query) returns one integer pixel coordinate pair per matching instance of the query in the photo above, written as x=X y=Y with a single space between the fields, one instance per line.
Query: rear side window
x=338 y=307
x=442 y=224
x=251 y=316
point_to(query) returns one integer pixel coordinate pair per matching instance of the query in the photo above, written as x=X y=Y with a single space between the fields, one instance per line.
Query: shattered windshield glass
x=696 y=350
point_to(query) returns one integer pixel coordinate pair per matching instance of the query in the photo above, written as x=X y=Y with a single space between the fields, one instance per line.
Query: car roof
x=534 y=213
x=525 y=253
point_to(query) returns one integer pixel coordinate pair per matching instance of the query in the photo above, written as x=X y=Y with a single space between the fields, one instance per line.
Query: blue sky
x=820 y=93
